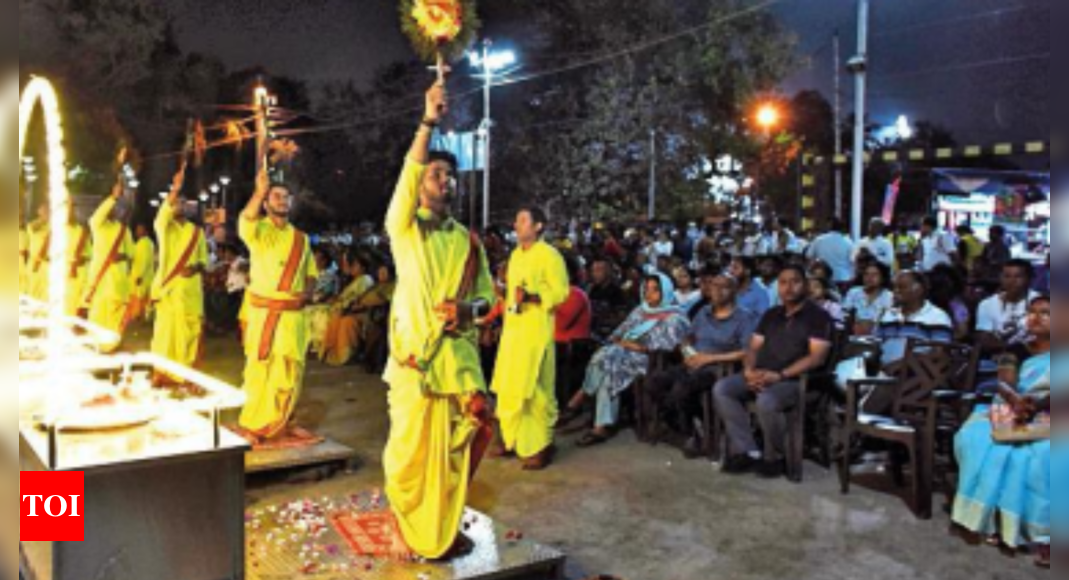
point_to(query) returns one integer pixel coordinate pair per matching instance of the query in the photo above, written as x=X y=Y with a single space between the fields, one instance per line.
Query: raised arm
x=402 y=213
x=253 y=210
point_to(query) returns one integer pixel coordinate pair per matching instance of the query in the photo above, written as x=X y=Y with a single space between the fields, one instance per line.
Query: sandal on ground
x=592 y=439
x=568 y=416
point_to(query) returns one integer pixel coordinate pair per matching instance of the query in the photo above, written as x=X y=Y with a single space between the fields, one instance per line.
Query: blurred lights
x=40 y=93
x=768 y=116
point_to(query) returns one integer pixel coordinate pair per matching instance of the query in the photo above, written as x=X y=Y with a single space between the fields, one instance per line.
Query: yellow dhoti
x=273 y=388
x=428 y=466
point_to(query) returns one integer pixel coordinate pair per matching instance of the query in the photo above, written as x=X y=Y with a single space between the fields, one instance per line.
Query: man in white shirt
x=1001 y=319
x=936 y=247
x=877 y=244
x=836 y=250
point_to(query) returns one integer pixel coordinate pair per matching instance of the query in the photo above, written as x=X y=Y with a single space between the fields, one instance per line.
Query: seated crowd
x=715 y=339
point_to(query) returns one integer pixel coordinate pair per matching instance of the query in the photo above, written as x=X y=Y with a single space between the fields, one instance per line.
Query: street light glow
x=225 y=181
x=495 y=61
x=768 y=116
x=214 y=188
x=904 y=129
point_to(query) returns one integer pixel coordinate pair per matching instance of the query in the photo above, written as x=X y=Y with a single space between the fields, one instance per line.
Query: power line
x=950 y=21
x=643 y=46
x=967 y=66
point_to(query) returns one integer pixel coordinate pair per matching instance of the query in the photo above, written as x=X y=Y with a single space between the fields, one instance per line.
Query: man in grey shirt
x=719 y=335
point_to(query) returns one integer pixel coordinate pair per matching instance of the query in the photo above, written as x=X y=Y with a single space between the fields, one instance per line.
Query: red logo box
x=52 y=506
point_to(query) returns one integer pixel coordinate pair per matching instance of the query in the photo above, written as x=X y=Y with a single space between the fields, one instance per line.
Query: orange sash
x=42 y=254
x=276 y=308
x=183 y=261
x=82 y=241
x=112 y=254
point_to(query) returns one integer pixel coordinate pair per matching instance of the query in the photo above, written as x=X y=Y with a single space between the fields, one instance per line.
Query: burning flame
x=441 y=20
x=40 y=92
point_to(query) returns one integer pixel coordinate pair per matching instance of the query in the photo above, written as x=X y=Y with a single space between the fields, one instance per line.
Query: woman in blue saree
x=1004 y=492
x=657 y=325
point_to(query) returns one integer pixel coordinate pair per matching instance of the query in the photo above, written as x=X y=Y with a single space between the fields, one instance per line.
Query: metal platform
x=300 y=547
x=329 y=454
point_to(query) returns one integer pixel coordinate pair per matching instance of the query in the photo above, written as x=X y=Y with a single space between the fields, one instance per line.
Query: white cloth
x=936 y=250
x=836 y=250
x=237 y=278
x=869 y=311
x=659 y=249
x=1006 y=321
x=880 y=248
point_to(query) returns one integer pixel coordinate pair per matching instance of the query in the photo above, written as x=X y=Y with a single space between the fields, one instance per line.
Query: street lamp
x=768 y=116
x=490 y=62
x=225 y=181
x=903 y=128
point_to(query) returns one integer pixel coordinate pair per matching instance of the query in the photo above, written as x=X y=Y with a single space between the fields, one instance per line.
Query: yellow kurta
x=179 y=300
x=142 y=276
x=37 y=261
x=108 y=305
x=273 y=386
x=525 y=375
x=38 y=280
x=428 y=456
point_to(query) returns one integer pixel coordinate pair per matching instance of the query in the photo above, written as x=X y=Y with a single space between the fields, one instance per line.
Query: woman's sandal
x=592 y=439
x=567 y=417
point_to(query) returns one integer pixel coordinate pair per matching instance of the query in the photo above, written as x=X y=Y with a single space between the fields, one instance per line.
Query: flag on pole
x=891 y=200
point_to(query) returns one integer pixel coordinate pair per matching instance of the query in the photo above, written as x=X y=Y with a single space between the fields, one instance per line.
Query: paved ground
x=643 y=513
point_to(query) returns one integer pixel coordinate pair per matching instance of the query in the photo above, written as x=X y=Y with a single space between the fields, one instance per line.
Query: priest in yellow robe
x=108 y=285
x=178 y=287
x=142 y=274
x=79 y=253
x=437 y=388
x=39 y=239
x=283 y=275
x=24 y=259
x=525 y=374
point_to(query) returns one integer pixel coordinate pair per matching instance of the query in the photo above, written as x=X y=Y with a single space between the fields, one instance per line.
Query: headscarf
x=668 y=304
x=651 y=317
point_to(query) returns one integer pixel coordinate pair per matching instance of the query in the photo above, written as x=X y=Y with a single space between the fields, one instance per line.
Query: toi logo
x=52 y=506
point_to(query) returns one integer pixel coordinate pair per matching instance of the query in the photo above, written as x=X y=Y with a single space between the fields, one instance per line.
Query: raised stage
x=298 y=541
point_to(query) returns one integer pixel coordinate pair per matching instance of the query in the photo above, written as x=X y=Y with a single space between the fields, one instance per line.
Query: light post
x=768 y=117
x=215 y=189
x=30 y=174
x=225 y=182
x=858 y=66
x=490 y=63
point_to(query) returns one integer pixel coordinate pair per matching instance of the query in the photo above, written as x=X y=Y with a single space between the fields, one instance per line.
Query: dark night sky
x=979 y=67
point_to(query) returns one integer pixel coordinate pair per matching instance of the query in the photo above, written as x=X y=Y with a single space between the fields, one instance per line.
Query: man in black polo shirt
x=790 y=341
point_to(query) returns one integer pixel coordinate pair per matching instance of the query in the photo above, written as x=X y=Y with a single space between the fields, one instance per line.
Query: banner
x=891 y=201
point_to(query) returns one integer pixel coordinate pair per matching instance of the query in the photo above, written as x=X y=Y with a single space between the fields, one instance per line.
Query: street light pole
x=488 y=70
x=859 y=66
x=838 y=126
